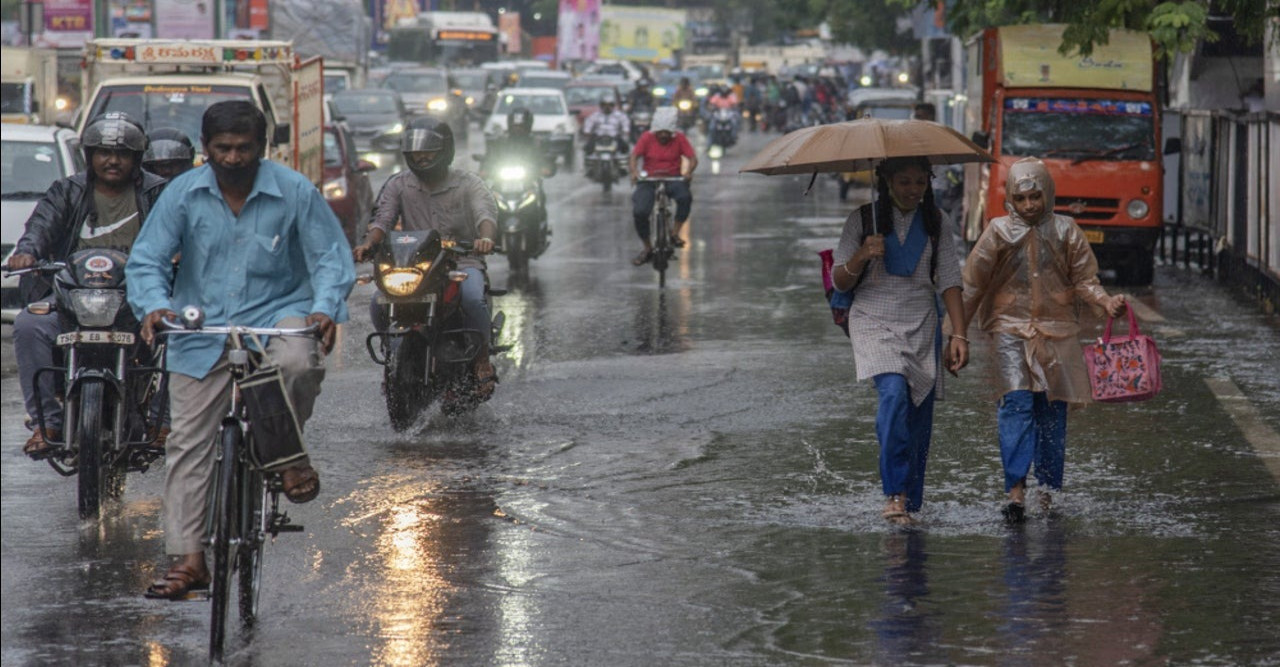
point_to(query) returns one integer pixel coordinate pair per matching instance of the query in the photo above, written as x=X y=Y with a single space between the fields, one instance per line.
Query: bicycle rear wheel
x=253 y=505
x=224 y=507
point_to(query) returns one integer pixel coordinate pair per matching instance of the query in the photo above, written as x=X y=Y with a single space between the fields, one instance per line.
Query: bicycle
x=244 y=503
x=663 y=250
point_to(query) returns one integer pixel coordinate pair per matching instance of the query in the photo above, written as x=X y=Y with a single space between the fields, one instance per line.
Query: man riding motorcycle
x=169 y=153
x=640 y=99
x=431 y=195
x=519 y=145
x=607 y=122
x=103 y=207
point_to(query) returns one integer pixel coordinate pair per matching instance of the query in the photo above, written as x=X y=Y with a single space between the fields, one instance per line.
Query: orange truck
x=1095 y=122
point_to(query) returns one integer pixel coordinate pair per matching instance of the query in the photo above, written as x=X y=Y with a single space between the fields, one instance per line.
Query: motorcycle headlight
x=400 y=281
x=502 y=204
x=438 y=104
x=528 y=199
x=96 y=307
x=684 y=105
x=1137 y=209
x=335 y=189
x=512 y=173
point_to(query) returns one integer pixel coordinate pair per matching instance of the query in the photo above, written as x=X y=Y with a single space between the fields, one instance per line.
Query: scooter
x=426 y=352
x=686 y=114
x=721 y=130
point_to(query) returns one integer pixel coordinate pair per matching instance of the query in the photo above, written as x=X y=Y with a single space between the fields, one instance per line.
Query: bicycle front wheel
x=662 y=240
x=252 y=538
x=225 y=517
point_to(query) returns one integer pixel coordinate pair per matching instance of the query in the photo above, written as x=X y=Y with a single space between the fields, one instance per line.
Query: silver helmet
x=167 y=143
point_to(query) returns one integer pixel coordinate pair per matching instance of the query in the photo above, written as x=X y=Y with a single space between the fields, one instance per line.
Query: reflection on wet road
x=688 y=477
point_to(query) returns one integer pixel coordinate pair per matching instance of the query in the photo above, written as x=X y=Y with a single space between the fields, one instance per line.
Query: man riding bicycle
x=260 y=248
x=662 y=150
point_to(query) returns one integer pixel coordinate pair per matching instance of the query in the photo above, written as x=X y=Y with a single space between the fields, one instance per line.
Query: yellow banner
x=1030 y=59
x=640 y=33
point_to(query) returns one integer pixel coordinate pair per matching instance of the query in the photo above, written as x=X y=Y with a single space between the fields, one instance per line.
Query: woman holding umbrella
x=895 y=259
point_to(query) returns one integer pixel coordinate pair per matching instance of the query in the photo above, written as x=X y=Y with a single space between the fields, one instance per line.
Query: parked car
x=346 y=182
x=478 y=86
x=552 y=124
x=32 y=158
x=429 y=91
x=544 y=79
x=583 y=98
x=376 y=118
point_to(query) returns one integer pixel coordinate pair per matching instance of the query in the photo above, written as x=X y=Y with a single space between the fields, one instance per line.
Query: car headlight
x=398 y=128
x=471 y=101
x=659 y=92
x=563 y=128
x=438 y=104
x=1138 y=209
x=96 y=307
x=701 y=91
x=512 y=173
x=335 y=189
x=400 y=281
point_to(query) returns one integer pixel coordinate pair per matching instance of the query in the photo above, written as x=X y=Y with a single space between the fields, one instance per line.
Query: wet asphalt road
x=688 y=477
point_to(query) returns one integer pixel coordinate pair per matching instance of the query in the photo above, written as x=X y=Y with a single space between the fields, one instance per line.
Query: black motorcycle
x=721 y=129
x=523 y=231
x=605 y=161
x=421 y=342
x=107 y=381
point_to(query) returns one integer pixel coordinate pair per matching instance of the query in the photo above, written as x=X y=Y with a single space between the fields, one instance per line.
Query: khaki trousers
x=197 y=408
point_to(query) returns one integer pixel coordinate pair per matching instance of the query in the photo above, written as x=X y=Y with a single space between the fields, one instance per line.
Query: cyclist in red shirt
x=661 y=149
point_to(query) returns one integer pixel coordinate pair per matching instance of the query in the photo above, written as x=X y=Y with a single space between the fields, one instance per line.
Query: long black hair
x=884 y=201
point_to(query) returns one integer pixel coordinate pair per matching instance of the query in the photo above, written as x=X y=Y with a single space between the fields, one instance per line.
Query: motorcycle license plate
x=382 y=300
x=1093 y=236
x=100 y=337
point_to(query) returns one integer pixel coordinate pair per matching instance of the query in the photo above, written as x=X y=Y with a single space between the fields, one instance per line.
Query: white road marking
x=1264 y=439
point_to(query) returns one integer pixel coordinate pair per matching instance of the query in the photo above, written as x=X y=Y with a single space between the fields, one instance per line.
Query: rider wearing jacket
x=520 y=146
x=102 y=207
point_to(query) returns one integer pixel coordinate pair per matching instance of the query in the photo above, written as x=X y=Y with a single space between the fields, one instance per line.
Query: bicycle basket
x=277 y=437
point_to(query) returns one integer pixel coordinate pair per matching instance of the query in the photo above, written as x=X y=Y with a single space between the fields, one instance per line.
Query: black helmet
x=607 y=100
x=521 y=119
x=428 y=135
x=168 y=143
x=643 y=82
x=113 y=130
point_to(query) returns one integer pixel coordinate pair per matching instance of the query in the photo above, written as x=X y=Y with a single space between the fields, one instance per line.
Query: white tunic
x=893 y=321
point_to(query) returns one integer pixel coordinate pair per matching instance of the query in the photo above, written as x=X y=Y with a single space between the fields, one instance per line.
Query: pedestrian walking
x=1023 y=281
x=894 y=258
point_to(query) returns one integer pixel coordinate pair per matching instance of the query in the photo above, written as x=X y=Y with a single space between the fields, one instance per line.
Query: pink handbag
x=1122 y=370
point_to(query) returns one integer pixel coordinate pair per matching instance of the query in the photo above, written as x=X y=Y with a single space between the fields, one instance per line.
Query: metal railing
x=1228 y=215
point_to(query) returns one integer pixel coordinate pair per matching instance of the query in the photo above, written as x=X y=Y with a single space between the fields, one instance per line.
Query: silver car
x=33 y=157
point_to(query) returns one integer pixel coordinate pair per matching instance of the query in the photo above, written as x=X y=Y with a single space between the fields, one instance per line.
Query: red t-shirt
x=662 y=160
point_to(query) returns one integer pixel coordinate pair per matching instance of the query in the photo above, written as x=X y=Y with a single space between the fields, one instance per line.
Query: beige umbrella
x=859 y=144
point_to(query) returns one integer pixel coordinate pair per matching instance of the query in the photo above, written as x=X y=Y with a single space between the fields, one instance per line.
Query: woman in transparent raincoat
x=1025 y=280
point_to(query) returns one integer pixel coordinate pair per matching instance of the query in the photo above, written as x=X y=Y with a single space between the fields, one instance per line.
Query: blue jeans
x=33 y=345
x=642 y=199
x=475 y=309
x=1032 y=429
x=904 y=431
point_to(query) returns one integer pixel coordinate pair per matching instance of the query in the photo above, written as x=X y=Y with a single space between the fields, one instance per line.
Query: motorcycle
x=640 y=122
x=522 y=215
x=605 y=161
x=686 y=114
x=420 y=341
x=721 y=128
x=108 y=378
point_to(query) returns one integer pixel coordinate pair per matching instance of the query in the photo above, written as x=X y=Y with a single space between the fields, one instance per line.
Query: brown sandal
x=301 y=484
x=177 y=583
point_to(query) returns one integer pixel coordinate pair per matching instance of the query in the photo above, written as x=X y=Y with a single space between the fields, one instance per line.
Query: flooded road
x=688 y=477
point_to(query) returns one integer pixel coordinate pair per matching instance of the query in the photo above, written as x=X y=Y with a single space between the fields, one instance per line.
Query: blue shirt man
x=258 y=246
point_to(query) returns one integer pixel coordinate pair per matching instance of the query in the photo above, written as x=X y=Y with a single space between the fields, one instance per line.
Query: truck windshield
x=1083 y=129
x=179 y=106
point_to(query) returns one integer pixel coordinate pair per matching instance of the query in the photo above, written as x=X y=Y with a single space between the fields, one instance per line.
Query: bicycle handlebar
x=192 y=322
